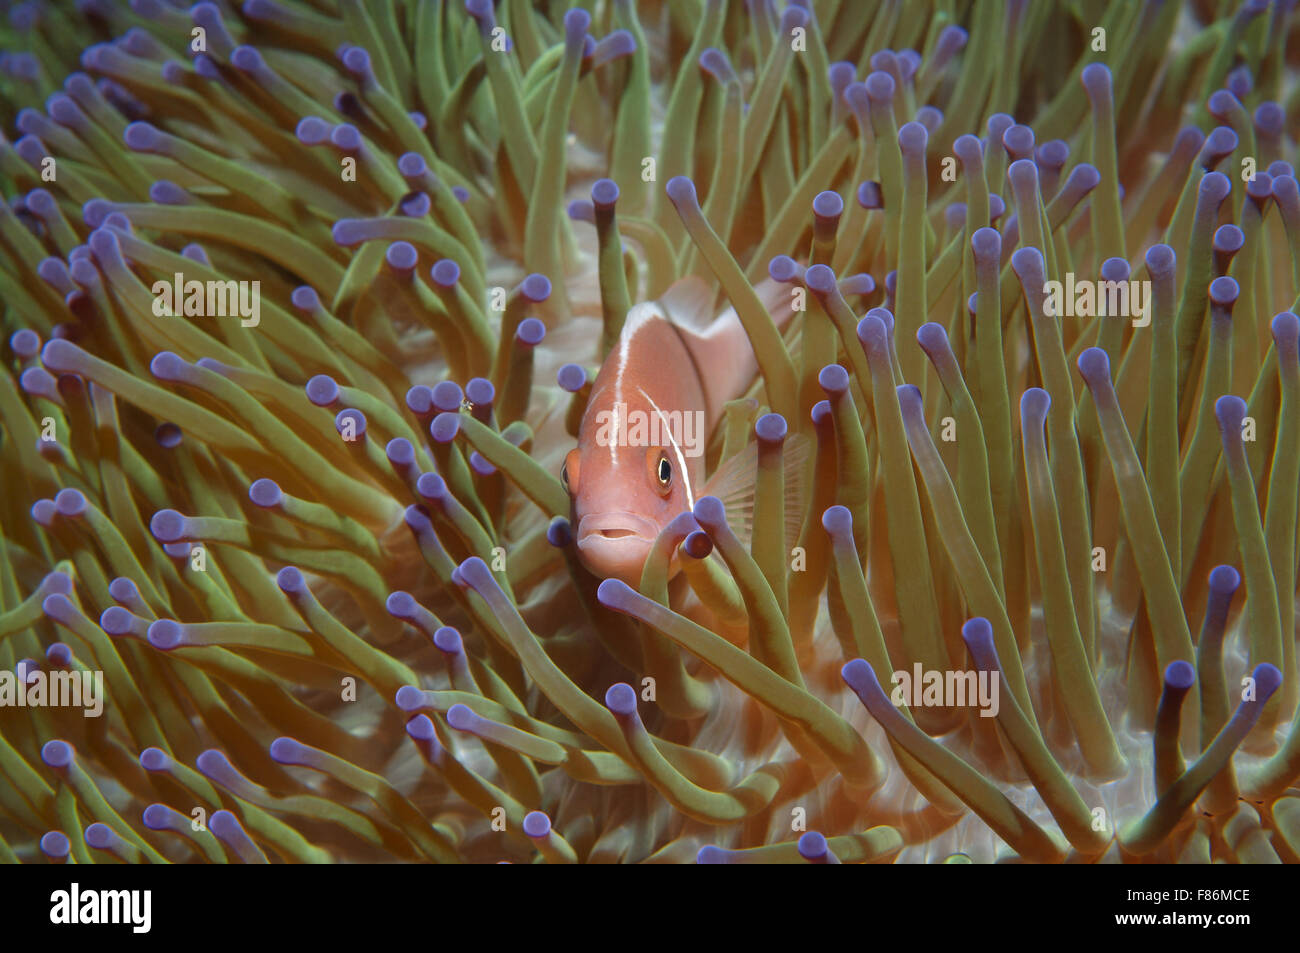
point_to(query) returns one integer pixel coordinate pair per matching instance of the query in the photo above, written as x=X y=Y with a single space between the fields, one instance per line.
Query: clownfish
x=658 y=396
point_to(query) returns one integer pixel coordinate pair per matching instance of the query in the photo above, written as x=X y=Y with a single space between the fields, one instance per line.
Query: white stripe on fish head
x=677 y=450
x=637 y=318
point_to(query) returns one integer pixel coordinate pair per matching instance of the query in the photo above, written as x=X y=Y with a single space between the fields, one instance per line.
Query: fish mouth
x=616 y=526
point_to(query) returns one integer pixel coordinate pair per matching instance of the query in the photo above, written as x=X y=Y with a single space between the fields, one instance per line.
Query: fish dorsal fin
x=719 y=346
x=689 y=304
x=778 y=299
x=733 y=484
x=720 y=350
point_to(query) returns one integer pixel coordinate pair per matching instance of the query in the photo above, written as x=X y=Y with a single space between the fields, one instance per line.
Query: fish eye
x=571 y=472
x=664 y=472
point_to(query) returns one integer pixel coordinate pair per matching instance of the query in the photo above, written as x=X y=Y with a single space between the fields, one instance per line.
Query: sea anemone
x=303 y=299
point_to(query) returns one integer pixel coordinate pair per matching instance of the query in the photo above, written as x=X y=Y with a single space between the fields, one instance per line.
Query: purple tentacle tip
x=621 y=699
x=812 y=846
x=346 y=137
x=416 y=205
x=604 y=194
x=616 y=594
x=912 y=138
x=581 y=210
x=571 y=377
x=870 y=195
x=770 y=428
x=986 y=243
x=305 y=298
x=1230 y=411
x=909 y=400
x=479 y=391
x=783 y=268
x=828 y=205
x=1286 y=336
x=977 y=633
x=1224 y=291
x=1222 y=104
x=247 y=59
x=322 y=390
x=834 y=380
x=165 y=634
x=1094 y=365
x=1161 y=261
x=411 y=165
x=26 y=343
x=445 y=396
x=1180 y=675
x=288 y=751
x=431 y=486
x=55 y=844
x=873 y=332
x=880 y=87
x=1224 y=580
x=70 y=502
x=445 y=273
x=838 y=520
x=1096 y=79
x=681 y=191
x=820 y=279
x=1270 y=118
x=1229 y=239
x=402 y=257
x=265 y=493
x=861 y=679
x=933 y=338
x=155 y=759
x=291 y=580
x=409 y=698
x=1029 y=266
x=58 y=754
x=697 y=544
x=1215 y=186
x=401 y=605
x=116 y=621
x=167 y=526
x=559 y=533
x=350 y=423
x=400 y=452
x=530 y=332
x=536 y=824
x=1114 y=269
x=1034 y=405
x=447 y=639
x=444 y=427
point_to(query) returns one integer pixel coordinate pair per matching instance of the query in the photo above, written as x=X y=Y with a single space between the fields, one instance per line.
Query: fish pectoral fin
x=733 y=484
x=798 y=451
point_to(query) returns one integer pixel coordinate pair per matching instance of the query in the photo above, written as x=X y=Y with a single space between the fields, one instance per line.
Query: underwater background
x=302 y=301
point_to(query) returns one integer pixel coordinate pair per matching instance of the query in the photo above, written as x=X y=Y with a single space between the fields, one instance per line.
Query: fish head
x=621 y=501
